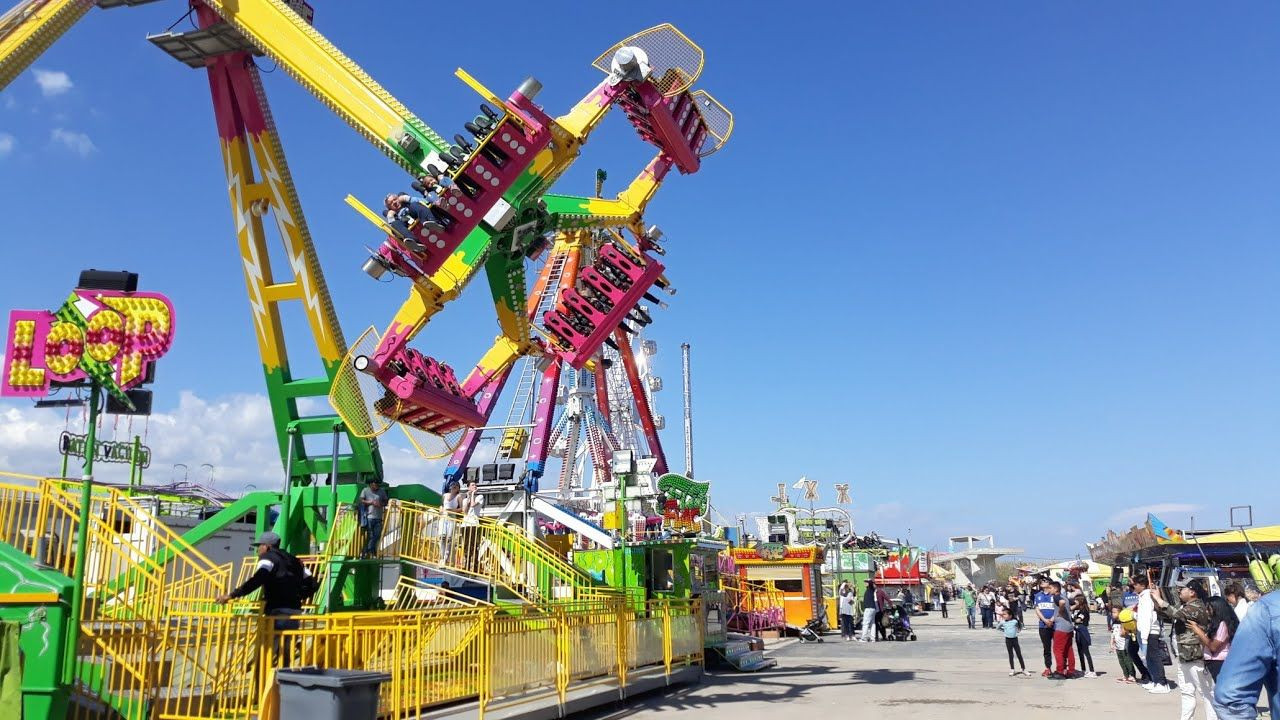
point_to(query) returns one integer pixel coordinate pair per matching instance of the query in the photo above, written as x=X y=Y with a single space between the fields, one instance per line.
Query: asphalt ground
x=950 y=673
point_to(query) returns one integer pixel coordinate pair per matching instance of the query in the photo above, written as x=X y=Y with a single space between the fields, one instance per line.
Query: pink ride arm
x=538 y=445
x=489 y=393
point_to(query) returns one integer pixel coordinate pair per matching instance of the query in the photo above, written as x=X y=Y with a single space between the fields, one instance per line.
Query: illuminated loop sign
x=110 y=452
x=108 y=336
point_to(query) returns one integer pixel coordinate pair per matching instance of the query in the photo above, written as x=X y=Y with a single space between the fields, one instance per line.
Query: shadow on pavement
x=722 y=689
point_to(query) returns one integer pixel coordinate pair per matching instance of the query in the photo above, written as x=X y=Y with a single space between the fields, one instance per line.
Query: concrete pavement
x=950 y=673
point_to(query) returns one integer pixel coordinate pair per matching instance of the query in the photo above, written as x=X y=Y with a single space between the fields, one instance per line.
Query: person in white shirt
x=848 y=600
x=451 y=503
x=1149 y=636
x=985 y=600
x=1234 y=593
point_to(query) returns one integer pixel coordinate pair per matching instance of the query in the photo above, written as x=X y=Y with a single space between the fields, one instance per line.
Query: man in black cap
x=285 y=583
x=868 y=612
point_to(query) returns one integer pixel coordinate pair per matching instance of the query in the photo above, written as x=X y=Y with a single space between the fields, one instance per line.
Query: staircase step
x=763 y=664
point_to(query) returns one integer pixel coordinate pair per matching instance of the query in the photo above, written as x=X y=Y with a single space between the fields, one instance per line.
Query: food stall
x=796 y=571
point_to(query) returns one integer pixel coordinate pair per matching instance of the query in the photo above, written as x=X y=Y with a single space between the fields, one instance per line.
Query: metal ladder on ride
x=527 y=384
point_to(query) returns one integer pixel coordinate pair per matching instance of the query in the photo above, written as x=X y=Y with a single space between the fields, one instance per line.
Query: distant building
x=973 y=558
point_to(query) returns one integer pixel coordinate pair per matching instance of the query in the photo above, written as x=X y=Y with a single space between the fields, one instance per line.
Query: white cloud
x=6 y=144
x=52 y=82
x=10 y=102
x=235 y=434
x=1135 y=515
x=76 y=142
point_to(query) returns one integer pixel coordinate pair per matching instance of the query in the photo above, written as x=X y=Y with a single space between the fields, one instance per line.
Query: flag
x=1164 y=534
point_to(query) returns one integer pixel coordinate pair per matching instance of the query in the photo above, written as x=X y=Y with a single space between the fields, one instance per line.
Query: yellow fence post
x=486 y=661
x=623 y=628
x=562 y=656
x=666 y=636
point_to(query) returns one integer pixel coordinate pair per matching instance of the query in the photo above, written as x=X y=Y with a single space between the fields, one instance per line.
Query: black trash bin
x=324 y=694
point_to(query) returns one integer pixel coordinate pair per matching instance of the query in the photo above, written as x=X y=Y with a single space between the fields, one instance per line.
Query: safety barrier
x=193 y=666
x=154 y=645
x=754 y=606
x=135 y=567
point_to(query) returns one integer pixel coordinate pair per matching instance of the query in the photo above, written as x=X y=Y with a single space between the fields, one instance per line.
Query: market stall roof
x=1267 y=534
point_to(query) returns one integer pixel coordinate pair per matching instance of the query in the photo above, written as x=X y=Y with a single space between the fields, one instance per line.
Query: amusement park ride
x=581 y=391
x=495 y=214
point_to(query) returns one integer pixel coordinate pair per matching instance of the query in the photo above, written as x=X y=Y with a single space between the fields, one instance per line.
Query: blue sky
x=1003 y=267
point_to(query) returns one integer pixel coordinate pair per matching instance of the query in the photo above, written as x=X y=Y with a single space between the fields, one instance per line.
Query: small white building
x=973 y=558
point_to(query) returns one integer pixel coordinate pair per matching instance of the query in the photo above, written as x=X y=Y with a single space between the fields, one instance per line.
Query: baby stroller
x=897 y=624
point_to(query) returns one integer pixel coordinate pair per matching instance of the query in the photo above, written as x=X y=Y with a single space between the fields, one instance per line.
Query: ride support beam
x=259 y=184
x=641 y=399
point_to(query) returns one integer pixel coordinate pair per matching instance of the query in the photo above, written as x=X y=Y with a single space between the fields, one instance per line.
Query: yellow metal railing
x=136 y=566
x=201 y=666
x=753 y=605
x=413 y=594
x=153 y=645
x=476 y=547
x=115 y=669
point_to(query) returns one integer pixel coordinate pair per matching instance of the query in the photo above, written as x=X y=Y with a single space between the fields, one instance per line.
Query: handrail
x=137 y=566
x=479 y=547
x=414 y=594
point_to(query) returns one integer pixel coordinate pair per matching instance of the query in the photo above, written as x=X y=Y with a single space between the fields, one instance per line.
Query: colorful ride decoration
x=107 y=336
x=900 y=567
x=497 y=198
x=686 y=502
x=481 y=232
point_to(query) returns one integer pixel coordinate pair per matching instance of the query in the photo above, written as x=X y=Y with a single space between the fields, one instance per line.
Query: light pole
x=82 y=530
x=207 y=465
x=185 y=470
x=624 y=467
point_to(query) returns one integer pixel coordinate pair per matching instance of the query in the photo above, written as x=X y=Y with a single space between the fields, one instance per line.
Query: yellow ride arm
x=29 y=29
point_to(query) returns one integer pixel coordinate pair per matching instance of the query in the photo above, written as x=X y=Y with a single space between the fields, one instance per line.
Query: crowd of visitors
x=876 y=607
x=1222 y=651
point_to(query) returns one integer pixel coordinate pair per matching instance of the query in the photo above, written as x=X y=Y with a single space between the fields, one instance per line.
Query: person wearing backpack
x=286 y=584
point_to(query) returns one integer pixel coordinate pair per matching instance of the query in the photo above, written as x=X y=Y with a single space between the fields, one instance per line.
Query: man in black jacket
x=281 y=577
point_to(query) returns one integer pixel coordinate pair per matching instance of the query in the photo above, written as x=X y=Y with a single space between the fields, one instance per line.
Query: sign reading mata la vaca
x=109 y=336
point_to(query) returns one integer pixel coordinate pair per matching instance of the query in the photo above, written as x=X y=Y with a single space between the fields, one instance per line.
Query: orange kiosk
x=795 y=570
